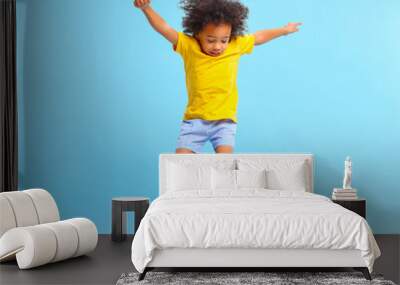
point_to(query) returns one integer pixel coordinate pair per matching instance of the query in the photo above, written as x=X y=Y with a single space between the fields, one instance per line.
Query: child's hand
x=291 y=28
x=141 y=4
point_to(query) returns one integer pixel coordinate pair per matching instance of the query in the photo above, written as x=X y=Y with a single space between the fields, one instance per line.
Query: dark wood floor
x=111 y=259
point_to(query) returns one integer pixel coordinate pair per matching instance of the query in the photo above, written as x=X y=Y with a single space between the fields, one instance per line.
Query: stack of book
x=344 y=194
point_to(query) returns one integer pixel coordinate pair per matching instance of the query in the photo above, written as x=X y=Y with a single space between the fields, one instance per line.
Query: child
x=211 y=46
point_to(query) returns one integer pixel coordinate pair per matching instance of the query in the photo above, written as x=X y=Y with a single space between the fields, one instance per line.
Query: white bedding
x=250 y=218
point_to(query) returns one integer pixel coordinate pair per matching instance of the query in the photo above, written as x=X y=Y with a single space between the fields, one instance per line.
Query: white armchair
x=32 y=233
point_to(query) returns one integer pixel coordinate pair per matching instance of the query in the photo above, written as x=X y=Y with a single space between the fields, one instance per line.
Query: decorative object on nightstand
x=358 y=206
x=347 y=192
x=344 y=194
x=120 y=206
x=347 y=173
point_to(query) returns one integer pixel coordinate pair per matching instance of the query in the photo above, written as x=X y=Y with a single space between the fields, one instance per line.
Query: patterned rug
x=243 y=278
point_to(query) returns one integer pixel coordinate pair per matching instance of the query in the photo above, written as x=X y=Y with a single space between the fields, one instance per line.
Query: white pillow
x=229 y=179
x=251 y=178
x=223 y=179
x=282 y=174
x=288 y=179
x=181 y=177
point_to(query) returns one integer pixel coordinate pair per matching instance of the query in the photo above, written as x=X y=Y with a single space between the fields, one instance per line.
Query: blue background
x=101 y=95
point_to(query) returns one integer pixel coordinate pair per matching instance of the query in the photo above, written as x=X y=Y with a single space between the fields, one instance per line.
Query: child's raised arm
x=264 y=36
x=156 y=21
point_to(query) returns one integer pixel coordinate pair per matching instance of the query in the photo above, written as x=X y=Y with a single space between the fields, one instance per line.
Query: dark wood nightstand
x=120 y=206
x=358 y=206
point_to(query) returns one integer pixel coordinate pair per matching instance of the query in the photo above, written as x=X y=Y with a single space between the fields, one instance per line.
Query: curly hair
x=199 y=13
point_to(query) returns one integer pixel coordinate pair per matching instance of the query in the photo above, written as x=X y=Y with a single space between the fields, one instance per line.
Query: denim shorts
x=196 y=132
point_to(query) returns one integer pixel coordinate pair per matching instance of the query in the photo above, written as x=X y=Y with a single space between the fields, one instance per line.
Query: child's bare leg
x=224 y=149
x=183 y=150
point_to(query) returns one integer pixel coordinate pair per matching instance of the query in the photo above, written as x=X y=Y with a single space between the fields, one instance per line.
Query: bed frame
x=245 y=259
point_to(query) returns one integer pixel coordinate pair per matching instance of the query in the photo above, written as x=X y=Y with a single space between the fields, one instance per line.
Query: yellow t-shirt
x=211 y=81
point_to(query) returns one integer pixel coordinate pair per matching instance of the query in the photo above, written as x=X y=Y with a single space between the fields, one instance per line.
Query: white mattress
x=251 y=219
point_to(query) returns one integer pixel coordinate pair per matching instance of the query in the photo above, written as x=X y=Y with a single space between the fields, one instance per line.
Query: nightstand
x=358 y=206
x=120 y=206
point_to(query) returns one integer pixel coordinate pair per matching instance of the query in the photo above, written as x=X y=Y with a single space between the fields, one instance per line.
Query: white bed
x=200 y=223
